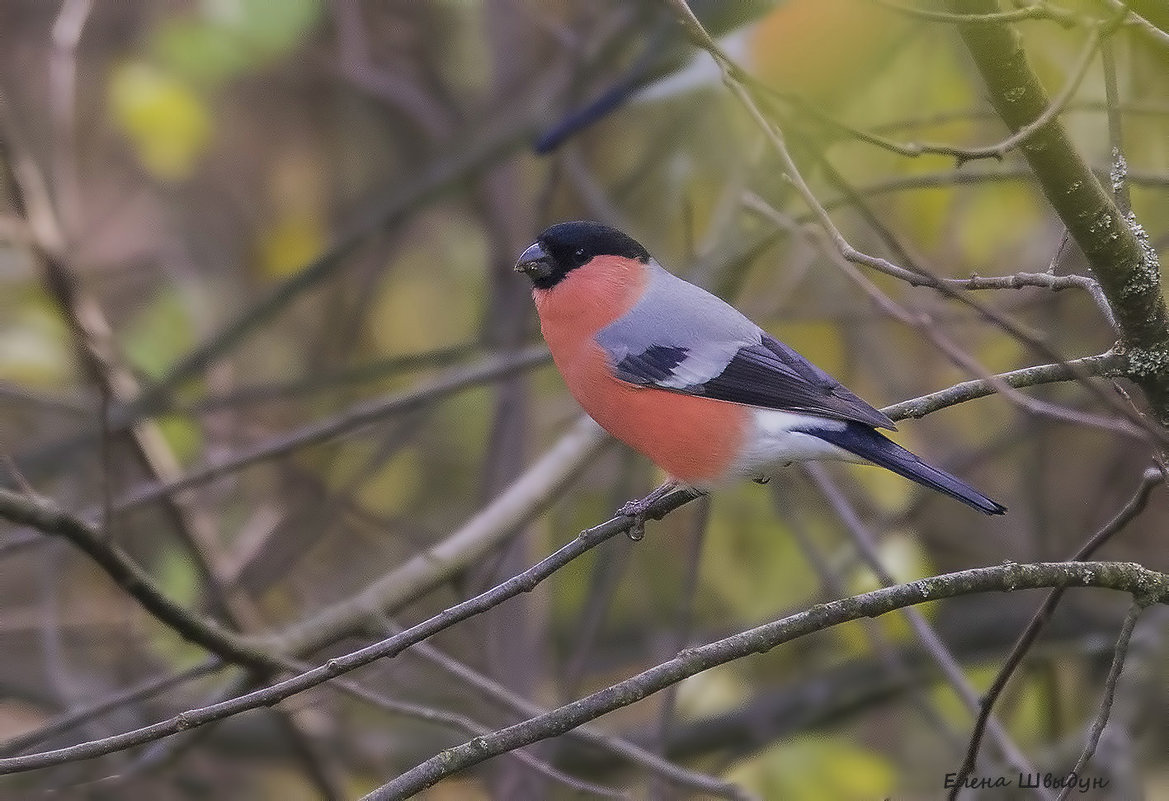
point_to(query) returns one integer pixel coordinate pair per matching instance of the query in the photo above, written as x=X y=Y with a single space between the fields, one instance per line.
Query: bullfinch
x=683 y=377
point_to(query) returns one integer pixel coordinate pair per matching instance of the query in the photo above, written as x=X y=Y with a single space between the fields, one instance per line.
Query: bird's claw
x=635 y=509
x=638 y=509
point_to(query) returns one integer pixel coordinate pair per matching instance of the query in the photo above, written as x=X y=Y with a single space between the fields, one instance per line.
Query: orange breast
x=692 y=438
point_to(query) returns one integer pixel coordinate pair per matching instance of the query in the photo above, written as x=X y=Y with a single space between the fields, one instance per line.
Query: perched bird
x=683 y=377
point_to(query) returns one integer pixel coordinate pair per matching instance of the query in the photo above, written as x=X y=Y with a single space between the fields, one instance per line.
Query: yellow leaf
x=815 y=768
x=289 y=244
x=432 y=296
x=33 y=347
x=168 y=124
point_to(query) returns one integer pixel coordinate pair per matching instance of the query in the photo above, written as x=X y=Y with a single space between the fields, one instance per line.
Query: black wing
x=769 y=375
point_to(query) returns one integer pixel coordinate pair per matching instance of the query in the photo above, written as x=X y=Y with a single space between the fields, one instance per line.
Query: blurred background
x=271 y=245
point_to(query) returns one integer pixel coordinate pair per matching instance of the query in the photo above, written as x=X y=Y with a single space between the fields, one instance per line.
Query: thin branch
x=658 y=766
x=356 y=64
x=76 y=717
x=950 y=669
x=525 y=498
x=490 y=369
x=1155 y=12
x=124 y=416
x=684 y=627
x=66 y=37
x=951 y=178
x=1147 y=28
x=1099 y=32
x=1151 y=478
x=1097 y=728
x=1106 y=364
x=460 y=722
x=392 y=646
x=1037 y=10
x=47 y=517
x=1018 y=280
x=1127 y=577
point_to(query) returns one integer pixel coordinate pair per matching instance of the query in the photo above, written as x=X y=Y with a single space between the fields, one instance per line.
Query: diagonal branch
x=46 y=516
x=1151 y=479
x=1146 y=585
x=1155 y=12
x=1097 y=728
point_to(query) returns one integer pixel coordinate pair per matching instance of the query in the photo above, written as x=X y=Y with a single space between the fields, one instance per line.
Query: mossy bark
x=1115 y=246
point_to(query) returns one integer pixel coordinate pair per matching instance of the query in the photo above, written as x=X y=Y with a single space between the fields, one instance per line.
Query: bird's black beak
x=535 y=263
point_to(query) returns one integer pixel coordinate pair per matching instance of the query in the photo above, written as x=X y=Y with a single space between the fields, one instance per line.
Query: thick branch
x=1115 y=246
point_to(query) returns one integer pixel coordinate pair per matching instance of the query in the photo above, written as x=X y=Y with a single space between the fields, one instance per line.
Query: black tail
x=872 y=446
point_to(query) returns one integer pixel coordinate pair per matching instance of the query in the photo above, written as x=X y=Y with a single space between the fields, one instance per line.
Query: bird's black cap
x=565 y=246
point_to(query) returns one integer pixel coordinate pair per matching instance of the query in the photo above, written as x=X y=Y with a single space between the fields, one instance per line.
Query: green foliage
x=158 y=332
x=34 y=347
x=227 y=40
x=752 y=565
x=820 y=768
x=161 y=102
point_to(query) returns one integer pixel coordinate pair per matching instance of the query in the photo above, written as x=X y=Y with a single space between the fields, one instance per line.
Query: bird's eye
x=579 y=253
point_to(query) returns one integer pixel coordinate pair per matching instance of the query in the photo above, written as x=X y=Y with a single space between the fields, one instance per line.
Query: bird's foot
x=637 y=509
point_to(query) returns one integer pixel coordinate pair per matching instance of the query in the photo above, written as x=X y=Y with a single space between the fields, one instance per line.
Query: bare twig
x=44 y=515
x=662 y=768
x=459 y=722
x=925 y=633
x=1101 y=720
x=1151 y=478
x=489 y=369
x=1151 y=31
x=1099 y=32
x=682 y=633
x=76 y=717
x=267 y=696
x=66 y=36
x=1106 y=364
x=1018 y=280
x=1036 y=10
x=520 y=502
x=1152 y=11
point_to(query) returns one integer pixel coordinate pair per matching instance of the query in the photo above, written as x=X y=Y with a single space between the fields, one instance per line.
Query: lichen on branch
x=1113 y=242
